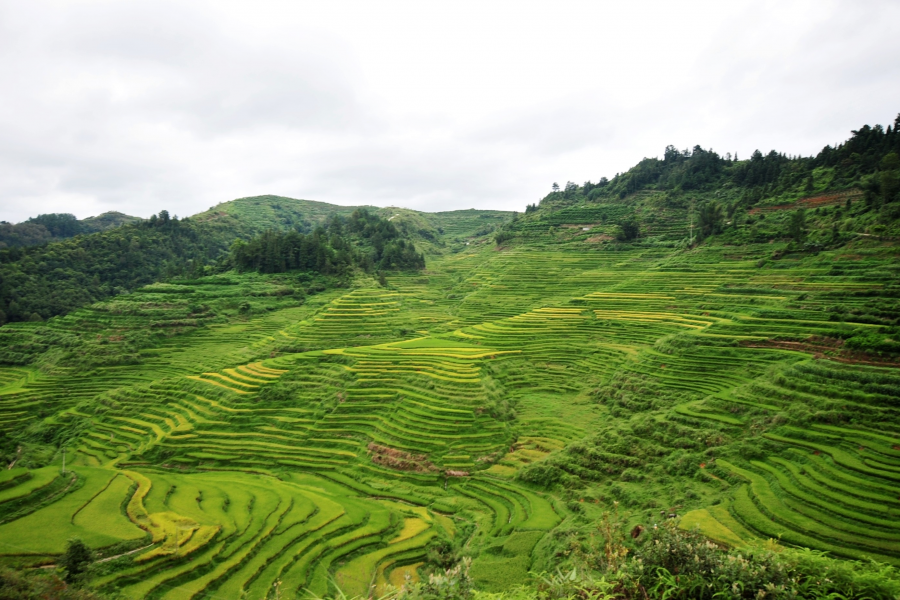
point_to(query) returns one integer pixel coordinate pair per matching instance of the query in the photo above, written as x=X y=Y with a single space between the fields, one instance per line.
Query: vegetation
x=672 y=563
x=44 y=281
x=15 y=585
x=707 y=194
x=57 y=226
x=40 y=282
x=361 y=240
x=556 y=408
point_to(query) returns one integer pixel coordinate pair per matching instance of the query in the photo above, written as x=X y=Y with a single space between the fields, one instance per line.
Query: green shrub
x=16 y=585
x=672 y=563
x=452 y=584
x=873 y=342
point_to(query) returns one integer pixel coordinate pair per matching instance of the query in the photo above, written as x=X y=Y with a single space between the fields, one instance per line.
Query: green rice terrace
x=252 y=434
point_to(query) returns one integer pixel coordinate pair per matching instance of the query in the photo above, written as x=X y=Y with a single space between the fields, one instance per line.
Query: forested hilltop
x=361 y=240
x=57 y=226
x=42 y=281
x=686 y=387
x=688 y=195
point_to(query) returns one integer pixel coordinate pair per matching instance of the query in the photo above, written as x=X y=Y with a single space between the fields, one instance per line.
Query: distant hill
x=58 y=226
x=679 y=200
x=689 y=195
x=41 y=281
x=260 y=213
x=107 y=220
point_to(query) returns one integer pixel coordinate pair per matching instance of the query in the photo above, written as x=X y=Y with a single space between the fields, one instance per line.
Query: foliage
x=502 y=237
x=16 y=585
x=362 y=239
x=57 y=226
x=76 y=561
x=736 y=199
x=451 y=584
x=874 y=342
x=712 y=218
x=634 y=448
x=797 y=225
x=628 y=230
x=53 y=279
x=672 y=563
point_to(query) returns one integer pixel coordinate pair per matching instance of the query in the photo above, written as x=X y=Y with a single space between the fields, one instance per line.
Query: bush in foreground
x=16 y=585
x=673 y=564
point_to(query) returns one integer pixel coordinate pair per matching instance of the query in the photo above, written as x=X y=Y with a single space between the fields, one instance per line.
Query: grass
x=653 y=380
x=36 y=480
x=47 y=530
x=805 y=529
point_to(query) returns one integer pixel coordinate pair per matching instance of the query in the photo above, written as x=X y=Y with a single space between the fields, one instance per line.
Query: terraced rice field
x=334 y=441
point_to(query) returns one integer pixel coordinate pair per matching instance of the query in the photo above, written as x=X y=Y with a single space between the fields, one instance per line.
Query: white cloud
x=140 y=106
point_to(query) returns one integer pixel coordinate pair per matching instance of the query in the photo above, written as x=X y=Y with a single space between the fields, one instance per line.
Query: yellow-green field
x=478 y=407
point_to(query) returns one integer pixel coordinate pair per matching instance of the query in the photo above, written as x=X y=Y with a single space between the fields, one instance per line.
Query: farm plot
x=86 y=507
x=424 y=397
x=362 y=317
x=338 y=439
x=833 y=488
x=227 y=534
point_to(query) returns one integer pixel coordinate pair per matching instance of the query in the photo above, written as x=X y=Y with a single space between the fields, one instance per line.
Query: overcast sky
x=141 y=106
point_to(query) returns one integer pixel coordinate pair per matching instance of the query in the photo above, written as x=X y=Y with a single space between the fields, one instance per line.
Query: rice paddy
x=303 y=444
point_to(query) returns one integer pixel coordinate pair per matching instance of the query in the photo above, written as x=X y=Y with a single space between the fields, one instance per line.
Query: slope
x=498 y=405
x=58 y=226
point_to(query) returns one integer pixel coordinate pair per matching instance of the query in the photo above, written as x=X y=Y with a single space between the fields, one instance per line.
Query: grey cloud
x=393 y=175
x=108 y=98
x=555 y=130
x=199 y=77
x=140 y=106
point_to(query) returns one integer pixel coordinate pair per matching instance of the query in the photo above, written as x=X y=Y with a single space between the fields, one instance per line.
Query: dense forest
x=53 y=227
x=360 y=240
x=861 y=160
x=724 y=195
x=39 y=282
x=42 y=281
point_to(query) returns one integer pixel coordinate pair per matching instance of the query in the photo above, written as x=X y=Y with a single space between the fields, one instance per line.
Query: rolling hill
x=549 y=383
x=54 y=227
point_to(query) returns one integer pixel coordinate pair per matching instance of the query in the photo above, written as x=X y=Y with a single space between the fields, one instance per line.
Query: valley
x=344 y=436
x=690 y=370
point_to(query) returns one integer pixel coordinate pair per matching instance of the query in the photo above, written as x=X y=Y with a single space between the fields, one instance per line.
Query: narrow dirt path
x=16 y=459
x=107 y=559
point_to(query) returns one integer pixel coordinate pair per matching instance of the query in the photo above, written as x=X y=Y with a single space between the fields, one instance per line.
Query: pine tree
x=76 y=561
x=797 y=225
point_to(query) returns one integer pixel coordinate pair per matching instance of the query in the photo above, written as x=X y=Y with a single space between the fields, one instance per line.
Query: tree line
x=724 y=186
x=57 y=226
x=39 y=282
x=857 y=161
x=361 y=240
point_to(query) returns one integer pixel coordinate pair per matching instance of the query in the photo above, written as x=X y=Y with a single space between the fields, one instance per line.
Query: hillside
x=689 y=195
x=54 y=227
x=52 y=279
x=568 y=390
x=256 y=214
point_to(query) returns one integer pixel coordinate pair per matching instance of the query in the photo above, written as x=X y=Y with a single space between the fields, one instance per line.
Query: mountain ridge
x=58 y=226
